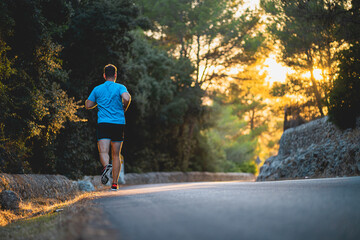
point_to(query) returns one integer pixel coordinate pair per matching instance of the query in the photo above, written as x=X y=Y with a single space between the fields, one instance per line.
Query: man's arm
x=126 y=100
x=90 y=104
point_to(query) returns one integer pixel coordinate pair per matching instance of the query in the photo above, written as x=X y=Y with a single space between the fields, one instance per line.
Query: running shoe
x=105 y=175
x=114 y=187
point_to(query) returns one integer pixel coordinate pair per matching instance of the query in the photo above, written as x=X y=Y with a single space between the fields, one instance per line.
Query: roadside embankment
x=28 y=195
x=30 y=186
x=173 y=177
x=317 y=149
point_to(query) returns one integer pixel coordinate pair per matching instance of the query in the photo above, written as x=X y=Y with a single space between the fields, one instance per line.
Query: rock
x=29 y=186
x=9 y=200
x=312 y=150
x=86 y=186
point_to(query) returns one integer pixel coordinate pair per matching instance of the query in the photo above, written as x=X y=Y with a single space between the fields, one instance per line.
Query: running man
x=113 y=100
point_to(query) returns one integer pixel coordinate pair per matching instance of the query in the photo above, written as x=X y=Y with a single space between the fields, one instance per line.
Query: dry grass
x=38 y=219
x=36 y=207
x=41 y=227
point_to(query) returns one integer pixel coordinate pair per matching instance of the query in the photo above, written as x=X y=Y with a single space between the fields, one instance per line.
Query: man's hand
x=126 y=100
x=90 y=104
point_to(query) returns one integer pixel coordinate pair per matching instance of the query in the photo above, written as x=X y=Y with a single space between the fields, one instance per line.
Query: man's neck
x=110 y=80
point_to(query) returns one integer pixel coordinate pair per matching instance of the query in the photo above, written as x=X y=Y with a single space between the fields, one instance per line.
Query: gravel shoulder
x=81 y=219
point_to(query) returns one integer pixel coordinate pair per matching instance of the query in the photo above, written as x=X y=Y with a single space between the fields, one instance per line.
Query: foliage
x=45 y=79
x=213 y=35
x=165 y=112
x=232 y=148
x=344 y=97
x=35 y=106
x=43 y=128
x=307 y=31
x=208 y=32
x=317 y=35
x=86 y=50
x=249 y=95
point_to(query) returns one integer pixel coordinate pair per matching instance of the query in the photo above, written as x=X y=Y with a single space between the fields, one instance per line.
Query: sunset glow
x=317 y=74
x=252 y=4
x=276 y=72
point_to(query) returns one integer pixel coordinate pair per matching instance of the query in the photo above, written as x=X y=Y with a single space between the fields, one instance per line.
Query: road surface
x=300 y=209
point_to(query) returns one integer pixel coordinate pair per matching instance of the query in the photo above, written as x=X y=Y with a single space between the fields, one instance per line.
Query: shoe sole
x=104 y=176
x=104 y=180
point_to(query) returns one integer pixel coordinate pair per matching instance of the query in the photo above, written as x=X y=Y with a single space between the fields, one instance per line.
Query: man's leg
x=115 y=152
x=104 y=147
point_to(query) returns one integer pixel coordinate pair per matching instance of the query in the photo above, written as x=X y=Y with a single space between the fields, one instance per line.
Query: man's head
x=110 y=72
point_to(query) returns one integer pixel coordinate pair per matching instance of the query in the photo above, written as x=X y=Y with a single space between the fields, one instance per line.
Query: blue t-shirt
x=109 y=101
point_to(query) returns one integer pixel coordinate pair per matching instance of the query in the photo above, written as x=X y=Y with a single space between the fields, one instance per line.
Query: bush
x=345 y=98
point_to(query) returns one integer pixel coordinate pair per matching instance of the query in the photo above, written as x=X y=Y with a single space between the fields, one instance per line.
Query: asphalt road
x=301 y=209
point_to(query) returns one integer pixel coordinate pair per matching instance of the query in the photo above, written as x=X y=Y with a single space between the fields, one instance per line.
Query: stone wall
x=314 y=150
x=173 y=177
x=30 y=186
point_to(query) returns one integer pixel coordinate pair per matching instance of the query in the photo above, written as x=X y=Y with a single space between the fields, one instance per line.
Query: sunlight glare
x=251 y=4
x=276 y=72
x=247 y=4
x=317 y=74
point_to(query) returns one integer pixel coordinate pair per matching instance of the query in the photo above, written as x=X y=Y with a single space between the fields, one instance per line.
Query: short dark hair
x=110 y=71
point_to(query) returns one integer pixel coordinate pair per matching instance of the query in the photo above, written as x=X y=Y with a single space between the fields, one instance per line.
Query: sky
x=251 y=3
x=276 y=72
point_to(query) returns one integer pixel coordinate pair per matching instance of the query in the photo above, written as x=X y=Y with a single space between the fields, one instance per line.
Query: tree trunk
x=252 y=119
x=198 y=61
x=316 y=92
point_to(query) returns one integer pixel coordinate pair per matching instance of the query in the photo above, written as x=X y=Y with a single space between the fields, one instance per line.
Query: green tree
x=344 y=97
x=344 y=105
x=232 y=149
x=208 y=32
x=52 y=53
x=30 y=79
x=166 y=109
x=86 y=50
x=213 y=35
x=307 y=33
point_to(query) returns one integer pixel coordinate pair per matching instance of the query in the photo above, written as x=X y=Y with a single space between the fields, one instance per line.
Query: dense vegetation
x=314 y=35
x=189 y=110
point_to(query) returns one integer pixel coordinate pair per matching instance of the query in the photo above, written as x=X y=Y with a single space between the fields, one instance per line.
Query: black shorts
x=114 y=132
